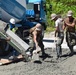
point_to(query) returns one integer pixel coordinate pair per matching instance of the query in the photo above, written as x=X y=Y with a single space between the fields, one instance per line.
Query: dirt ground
x=66 y=65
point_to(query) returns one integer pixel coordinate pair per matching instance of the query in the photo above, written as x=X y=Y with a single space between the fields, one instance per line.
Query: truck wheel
x=4 y=48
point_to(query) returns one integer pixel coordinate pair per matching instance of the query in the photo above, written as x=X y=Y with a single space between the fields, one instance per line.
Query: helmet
x=53 y=16
x=12 y=20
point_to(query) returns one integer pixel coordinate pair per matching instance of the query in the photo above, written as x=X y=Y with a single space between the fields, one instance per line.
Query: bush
x=59 y=7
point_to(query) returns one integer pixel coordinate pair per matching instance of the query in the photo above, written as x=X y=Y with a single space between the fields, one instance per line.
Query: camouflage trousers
x=60 y=37
x=71 y=40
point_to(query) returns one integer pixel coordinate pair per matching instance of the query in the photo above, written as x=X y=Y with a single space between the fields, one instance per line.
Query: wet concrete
x=49 y=66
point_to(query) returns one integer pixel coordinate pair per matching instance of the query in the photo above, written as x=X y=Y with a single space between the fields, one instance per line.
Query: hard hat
x=12 y=20
x=70 y=13
x=53 y=16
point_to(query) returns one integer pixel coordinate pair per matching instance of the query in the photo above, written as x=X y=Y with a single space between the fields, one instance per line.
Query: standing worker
x=58 y=33
x=13 y=29
x=69 y=24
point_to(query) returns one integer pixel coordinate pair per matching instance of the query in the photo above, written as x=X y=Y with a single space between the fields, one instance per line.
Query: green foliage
x=59 y=7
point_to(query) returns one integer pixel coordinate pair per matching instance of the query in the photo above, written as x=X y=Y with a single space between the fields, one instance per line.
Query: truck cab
x=35 y=10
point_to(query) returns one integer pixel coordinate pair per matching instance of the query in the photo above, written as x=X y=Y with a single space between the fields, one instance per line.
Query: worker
x=69 y=25
x=59 y=34
x=13 y=28
x=12 y=25
x=36 y=39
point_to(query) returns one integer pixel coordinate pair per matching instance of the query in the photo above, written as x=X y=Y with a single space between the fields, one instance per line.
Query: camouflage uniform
x=69 y=23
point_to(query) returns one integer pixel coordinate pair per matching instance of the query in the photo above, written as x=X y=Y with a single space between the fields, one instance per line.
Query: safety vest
x=14 y=29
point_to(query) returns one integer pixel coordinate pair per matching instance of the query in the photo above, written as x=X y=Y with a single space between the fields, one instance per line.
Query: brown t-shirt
x=69 y=21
